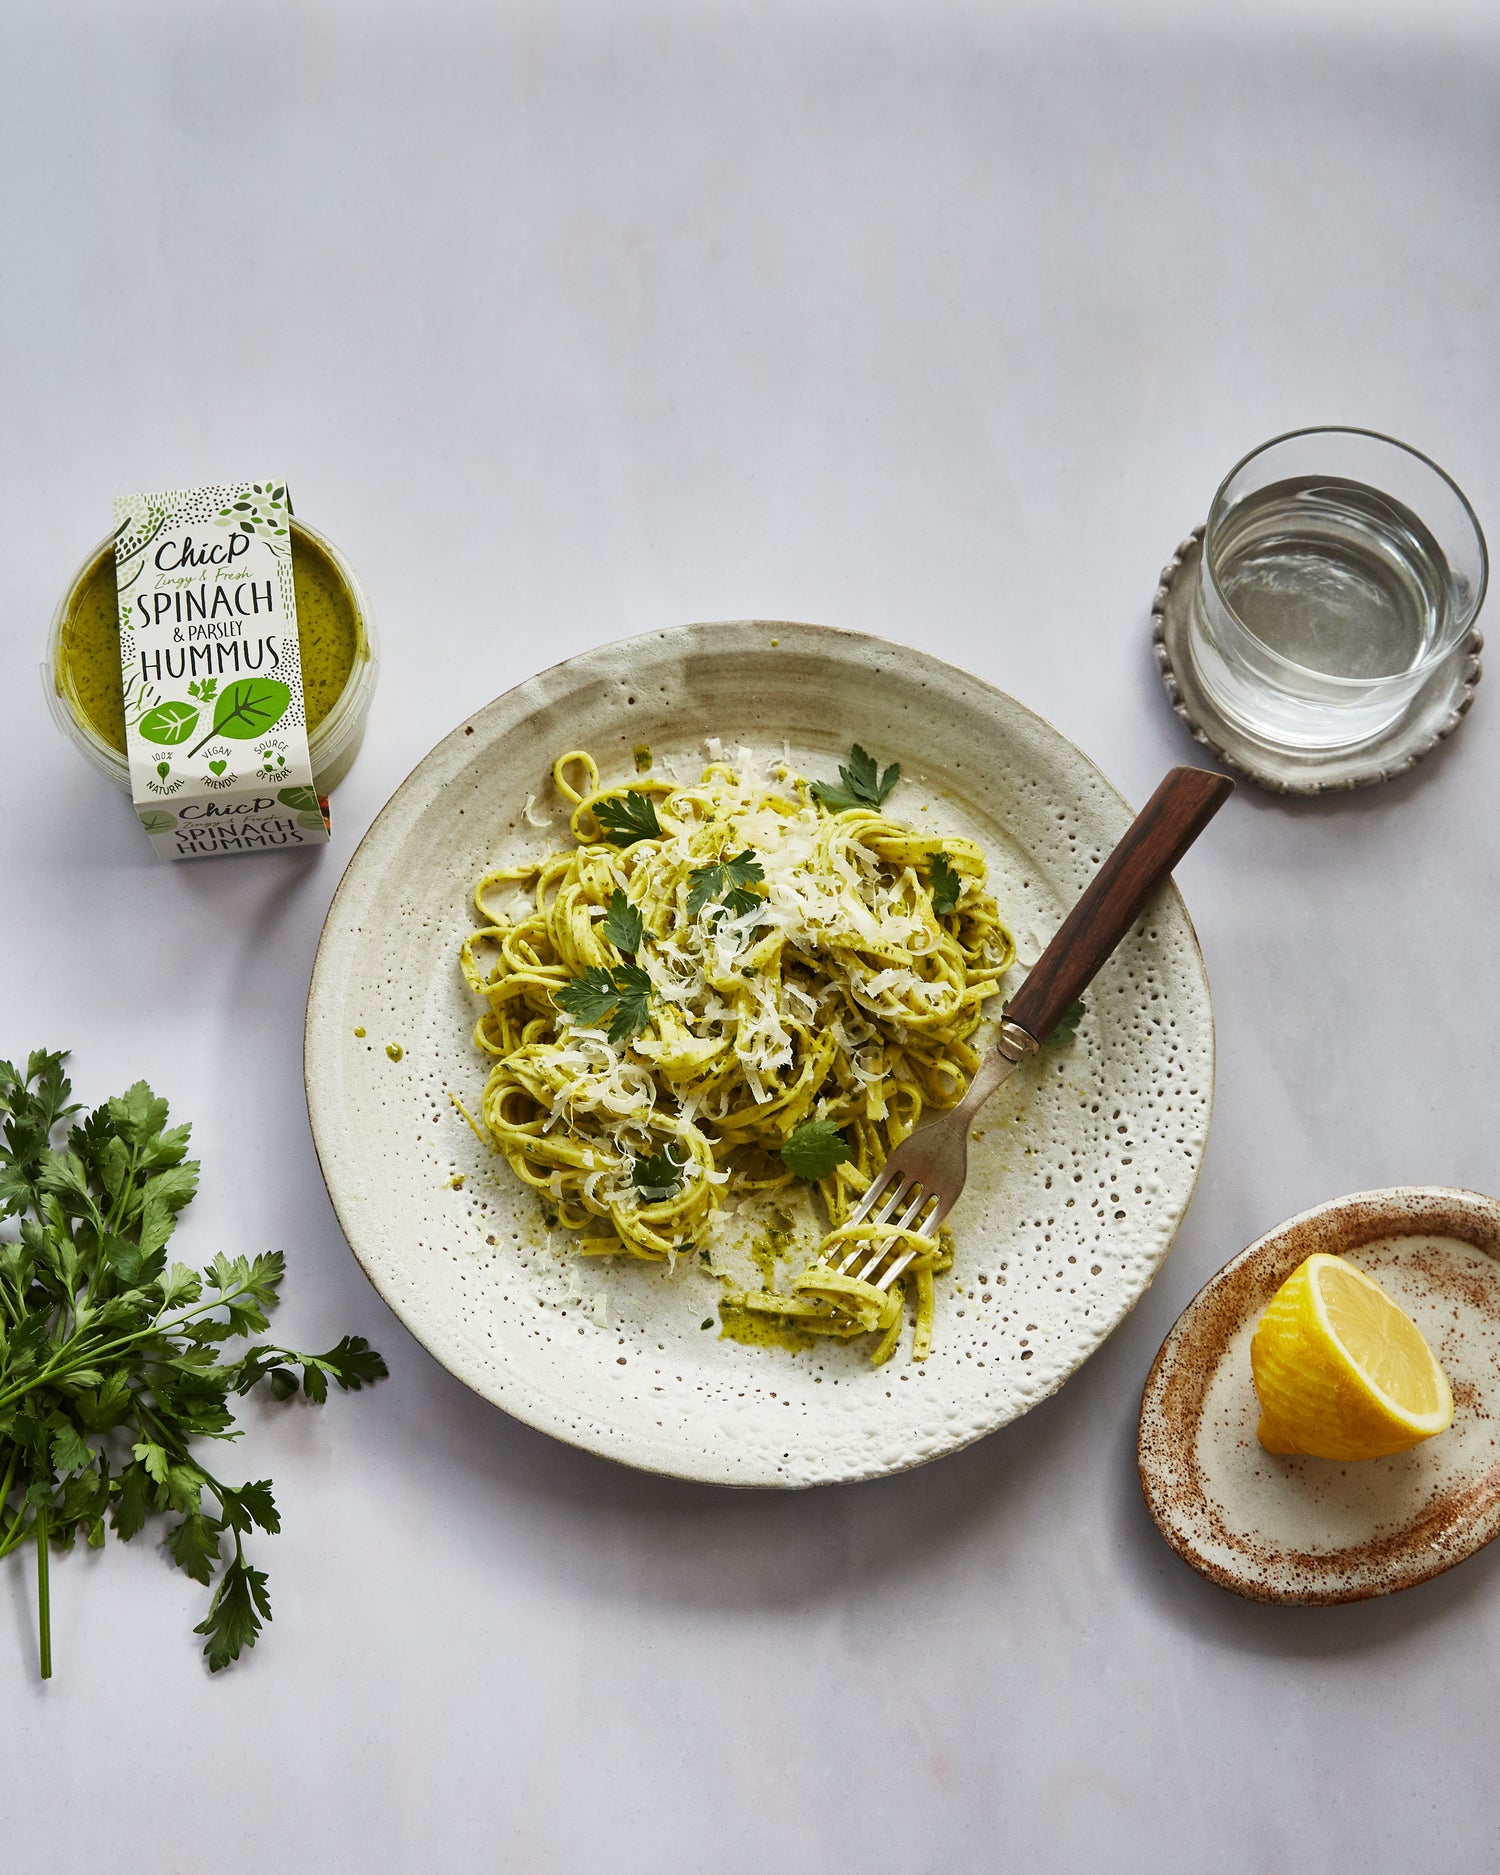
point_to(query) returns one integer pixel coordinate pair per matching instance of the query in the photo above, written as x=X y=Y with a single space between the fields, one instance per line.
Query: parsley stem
x=13 y=1536
x=126 y=1191
x=43 y=1592
x=86 y=1356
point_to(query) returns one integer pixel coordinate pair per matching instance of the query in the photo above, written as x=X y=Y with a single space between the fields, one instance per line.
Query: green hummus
x=328 y=633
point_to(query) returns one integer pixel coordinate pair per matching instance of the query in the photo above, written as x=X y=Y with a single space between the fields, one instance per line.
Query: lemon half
x=1341 y=1371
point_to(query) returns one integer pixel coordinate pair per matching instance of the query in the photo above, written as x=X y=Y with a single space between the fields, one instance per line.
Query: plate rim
x=1385 y=1201
x=690 y=1467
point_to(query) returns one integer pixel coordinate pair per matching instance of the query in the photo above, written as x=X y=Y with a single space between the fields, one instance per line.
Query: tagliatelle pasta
x=710 y=975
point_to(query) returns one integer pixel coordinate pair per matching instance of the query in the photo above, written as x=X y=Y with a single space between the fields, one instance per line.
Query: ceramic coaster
x=1434 y=713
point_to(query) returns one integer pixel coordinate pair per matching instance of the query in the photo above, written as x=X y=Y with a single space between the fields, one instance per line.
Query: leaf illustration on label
x=158 y=823
x=169 y=723
x=313 y=822
x=247 y=708
x=304 y=799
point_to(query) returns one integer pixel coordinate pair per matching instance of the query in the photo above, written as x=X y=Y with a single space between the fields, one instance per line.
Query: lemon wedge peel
x=1318 y=1395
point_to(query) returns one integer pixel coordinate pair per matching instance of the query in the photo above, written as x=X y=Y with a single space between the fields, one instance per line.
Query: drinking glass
x=1339 y=569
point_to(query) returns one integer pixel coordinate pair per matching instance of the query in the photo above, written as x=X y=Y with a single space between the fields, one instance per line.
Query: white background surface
x=569 y=321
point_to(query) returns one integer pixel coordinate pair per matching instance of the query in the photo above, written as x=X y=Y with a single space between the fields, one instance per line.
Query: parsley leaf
x=589 y=998
x=353 y=1364
x=252 y=1507
x=744 y=869
x=658 y=1175
x=70 y=1451
x=193 y=1545
x=946 y=886
x=1067 y=1023
x=814 y=1148
x=621 y=995
x=234 y=1618
x=704 y=883
x=864 y=785
x=1066 y=1026
x=131 y=1505
x=739 y=903
x=623 y=924
x=729 y=877
x=632 y=1012
x=625 y=822
x=110 y=1363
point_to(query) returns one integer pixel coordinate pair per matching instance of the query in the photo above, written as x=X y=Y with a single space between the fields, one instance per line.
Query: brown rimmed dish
x=1309 y=1530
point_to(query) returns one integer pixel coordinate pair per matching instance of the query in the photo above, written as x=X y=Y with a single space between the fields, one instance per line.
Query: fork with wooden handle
x=920 y=1182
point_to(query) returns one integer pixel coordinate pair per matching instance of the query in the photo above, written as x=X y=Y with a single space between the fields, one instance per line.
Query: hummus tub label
x=215 y=723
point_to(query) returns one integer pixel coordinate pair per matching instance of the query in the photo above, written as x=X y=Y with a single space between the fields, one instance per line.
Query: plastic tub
x=332 y=745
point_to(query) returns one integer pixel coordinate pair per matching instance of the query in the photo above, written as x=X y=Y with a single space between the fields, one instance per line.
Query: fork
x=920 y=1183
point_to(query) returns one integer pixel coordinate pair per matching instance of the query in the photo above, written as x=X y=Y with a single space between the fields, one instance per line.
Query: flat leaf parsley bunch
x=111 y=1359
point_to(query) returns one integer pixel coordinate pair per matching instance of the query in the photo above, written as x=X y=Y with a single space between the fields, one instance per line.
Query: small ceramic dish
x=1313 y=1530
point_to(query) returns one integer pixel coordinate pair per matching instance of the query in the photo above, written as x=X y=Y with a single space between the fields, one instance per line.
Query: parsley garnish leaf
x=744 y=869
x=1068 y=1021
x=623 y=924
x=864 y=785
x=109 y=1359
x=728 y=877
x=814 y=1148
x=632 y=1012
x=946 y=886
x=622 y=996
x=704 y=883
x=739 y=903
x=625 y=822
x=1066 y=1026
x=658 y=1175
x=589 y=998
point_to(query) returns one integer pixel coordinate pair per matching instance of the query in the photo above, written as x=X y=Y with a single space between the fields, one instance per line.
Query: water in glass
x=1343 y=582
x=1334 y=575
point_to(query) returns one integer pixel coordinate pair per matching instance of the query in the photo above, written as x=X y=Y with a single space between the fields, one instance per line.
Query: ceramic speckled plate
x=1087 y=1160
x=1316 y=1529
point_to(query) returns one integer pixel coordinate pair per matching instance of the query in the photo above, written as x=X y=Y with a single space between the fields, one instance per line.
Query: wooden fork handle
x=1156 y=839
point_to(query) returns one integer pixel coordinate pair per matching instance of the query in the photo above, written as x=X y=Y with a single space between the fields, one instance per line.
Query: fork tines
x=895 y=1200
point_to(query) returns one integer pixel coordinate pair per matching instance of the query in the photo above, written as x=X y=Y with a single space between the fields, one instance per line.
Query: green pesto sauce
x=770 y=1245
x=327 y=632
x=756 y=1330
